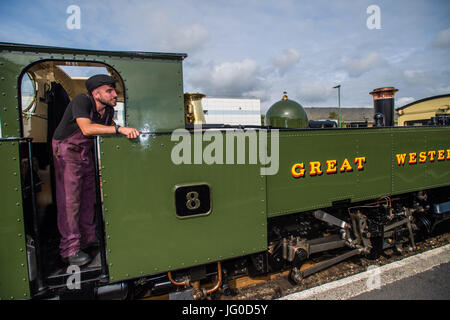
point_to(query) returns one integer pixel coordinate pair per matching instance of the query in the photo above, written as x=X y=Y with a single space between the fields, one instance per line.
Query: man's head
x=102 y=88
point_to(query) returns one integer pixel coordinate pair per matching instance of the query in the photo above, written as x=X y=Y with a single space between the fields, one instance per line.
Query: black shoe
x=91 y=249
x=79 y=259
x=93 y=245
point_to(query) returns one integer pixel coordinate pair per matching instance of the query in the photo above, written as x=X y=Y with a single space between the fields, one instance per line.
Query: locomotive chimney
x=383 y=102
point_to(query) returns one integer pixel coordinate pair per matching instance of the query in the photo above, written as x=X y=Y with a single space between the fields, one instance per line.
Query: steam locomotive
x=187 y=207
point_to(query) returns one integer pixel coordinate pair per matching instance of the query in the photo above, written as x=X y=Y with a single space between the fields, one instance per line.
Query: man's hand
x=130 y=133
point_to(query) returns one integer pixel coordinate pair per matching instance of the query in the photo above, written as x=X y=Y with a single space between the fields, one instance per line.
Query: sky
x=260 y=48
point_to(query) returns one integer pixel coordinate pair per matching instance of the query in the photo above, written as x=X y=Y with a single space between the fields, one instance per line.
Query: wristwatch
x=117 y=129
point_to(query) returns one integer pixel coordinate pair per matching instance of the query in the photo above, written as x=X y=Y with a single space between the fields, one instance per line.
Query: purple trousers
x=75 y=192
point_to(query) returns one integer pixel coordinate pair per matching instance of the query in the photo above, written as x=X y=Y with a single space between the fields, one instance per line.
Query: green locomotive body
x=167 y=209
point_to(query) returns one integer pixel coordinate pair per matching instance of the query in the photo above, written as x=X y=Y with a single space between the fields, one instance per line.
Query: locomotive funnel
x=383 y=102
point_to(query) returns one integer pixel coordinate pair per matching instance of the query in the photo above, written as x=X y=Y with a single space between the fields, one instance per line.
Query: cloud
x=403 y=101
x=186 y=38
x=286 y=60
x=316 y=91
x=417 y=76
x=231 y=79
x=438 y=89
x=357 y=67
x=154 y=26
x=442 y=39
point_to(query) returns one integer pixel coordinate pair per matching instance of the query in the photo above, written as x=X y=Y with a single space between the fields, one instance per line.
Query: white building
x=232 y=111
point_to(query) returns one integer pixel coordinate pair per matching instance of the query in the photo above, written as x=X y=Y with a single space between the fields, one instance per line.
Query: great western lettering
x=317 y=168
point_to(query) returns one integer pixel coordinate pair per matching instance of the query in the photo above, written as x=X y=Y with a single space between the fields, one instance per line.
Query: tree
x=332 y=115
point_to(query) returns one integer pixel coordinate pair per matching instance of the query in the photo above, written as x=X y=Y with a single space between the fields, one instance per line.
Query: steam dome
x=286 y=114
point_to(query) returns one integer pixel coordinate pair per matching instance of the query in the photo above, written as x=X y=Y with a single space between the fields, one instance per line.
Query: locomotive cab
x=46 y=88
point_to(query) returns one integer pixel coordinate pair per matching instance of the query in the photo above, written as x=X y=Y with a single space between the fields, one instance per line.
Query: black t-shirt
x=80 y=107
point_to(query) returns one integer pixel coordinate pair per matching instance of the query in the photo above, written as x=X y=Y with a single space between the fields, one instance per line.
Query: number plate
x=192 y=200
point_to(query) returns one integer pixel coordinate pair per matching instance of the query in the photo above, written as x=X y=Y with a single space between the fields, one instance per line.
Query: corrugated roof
x=347 y=114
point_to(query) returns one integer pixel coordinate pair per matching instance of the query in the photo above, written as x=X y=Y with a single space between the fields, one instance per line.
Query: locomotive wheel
x=295 y=276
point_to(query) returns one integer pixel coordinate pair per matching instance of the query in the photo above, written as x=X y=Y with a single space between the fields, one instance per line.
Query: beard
x=111 y=102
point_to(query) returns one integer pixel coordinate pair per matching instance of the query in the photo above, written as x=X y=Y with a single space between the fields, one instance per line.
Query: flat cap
x=99 y=80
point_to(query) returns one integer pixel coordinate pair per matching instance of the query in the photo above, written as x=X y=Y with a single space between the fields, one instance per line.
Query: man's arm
x=90 y=129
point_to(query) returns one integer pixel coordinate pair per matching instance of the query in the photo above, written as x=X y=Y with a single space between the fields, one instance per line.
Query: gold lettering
x=422 y=157
x=331 y=166
x=359 y=161
x=346 y=166
x=295 y=173
x=315 y=168
x=412 y=158
x=431 y=154
x=401 y=158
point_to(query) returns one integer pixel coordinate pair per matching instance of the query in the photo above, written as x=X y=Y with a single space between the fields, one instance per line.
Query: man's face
x=106 y=95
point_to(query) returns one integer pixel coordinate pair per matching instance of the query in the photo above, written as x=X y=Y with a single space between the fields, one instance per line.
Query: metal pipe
x=216 y=286
x=37 y=242
x=182 y=283
x=219 y=280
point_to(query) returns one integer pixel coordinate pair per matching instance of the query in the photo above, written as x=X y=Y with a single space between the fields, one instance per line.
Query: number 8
x=192 y=200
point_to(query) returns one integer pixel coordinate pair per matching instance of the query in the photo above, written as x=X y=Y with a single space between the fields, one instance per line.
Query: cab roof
x=61 y=50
